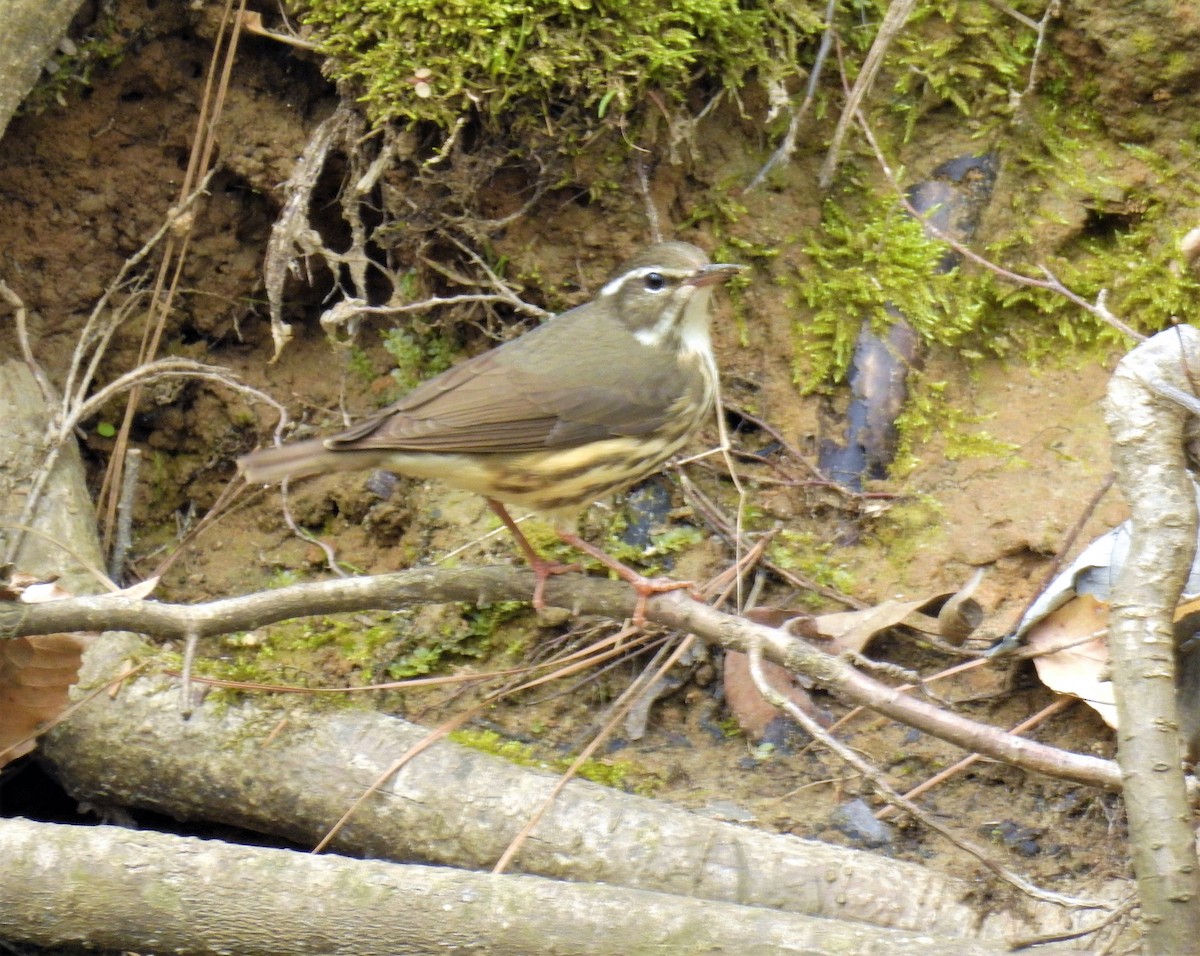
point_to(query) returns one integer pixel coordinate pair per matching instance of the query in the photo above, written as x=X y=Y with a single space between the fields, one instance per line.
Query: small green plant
x=417 y=357
x=468 y=636
x=283 y=578
x=807 y=553
x=358 y=364
x=73 y=64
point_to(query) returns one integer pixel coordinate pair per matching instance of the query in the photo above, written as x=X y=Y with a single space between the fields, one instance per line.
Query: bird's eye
x=655 y=282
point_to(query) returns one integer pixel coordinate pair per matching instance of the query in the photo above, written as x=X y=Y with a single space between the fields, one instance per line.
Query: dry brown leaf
x=751 y=710
x=852 y=631
x=1081 y=670
x=36 y=674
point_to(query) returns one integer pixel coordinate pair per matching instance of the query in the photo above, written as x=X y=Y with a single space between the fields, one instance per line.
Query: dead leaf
x=35 y=676
x=1081 y=670
x=852 y=631
x=748 y=706
x=36 y=673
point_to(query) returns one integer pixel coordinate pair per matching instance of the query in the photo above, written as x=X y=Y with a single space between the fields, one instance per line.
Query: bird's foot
x=644 y=587
x=543 y=570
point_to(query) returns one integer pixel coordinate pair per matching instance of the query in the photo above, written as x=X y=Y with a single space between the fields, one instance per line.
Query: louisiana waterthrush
x=580 y=407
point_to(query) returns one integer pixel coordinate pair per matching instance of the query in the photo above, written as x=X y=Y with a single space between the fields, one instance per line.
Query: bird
x=574 y=410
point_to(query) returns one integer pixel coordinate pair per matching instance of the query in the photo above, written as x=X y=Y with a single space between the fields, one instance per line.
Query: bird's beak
x=714 y=273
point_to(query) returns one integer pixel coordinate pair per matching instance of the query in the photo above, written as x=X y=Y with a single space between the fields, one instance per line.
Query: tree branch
x=1148 y=433
x=582 y=596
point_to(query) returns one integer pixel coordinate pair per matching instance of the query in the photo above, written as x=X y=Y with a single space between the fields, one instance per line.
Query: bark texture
x=152 y=892
x=1148 y=432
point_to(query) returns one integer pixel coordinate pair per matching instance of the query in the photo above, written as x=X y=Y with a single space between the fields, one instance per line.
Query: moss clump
x=929 y=413
x=608 y=772
x=968 y=54
x=412 y=60
x=865 y=263
x=807 y=553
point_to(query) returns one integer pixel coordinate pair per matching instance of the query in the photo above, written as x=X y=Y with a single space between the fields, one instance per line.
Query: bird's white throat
x=693 y=333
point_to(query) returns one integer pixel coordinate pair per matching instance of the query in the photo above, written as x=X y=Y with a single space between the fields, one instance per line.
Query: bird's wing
x=544 y=394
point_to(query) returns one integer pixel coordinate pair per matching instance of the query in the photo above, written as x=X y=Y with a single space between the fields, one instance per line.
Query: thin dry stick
x=447 y=727
x=65 y=424
x=639 y=167
x=75 y=706
x=1052 y=11
x=720 y=522
x=623 y=705
x=889 y=29
x=116 y=563
x=1057 y=706
x=788 y=145
x=720 y=585
x=67 y=548
x=204 y=144
x=859 y=710
x=1122 y=910
x=885 y=790
x=1009 y=643
x=218 y=511
x=39 y=375
x=95 y=335
x=626 y=702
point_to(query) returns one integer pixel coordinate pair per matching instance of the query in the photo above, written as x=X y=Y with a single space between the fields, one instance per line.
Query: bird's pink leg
x=644 y=586
x=543 y=568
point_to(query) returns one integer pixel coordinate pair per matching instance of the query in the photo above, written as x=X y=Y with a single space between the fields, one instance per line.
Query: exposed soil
x=82 y=187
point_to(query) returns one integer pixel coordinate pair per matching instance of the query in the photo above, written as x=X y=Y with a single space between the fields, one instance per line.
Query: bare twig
x=1057 y=706
x=885 y=790
x=200 y=167
x=889 y=29
x=1052 y=11
x=123 y=540
x=21 y=322
x=787 y=146
x=68 y=418
x=1099 y=308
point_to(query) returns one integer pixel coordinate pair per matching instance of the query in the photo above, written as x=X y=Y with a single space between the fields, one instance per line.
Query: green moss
x=490 y=742
x=928 y=413
x=903 y=530
x=411 y=60
x=967 y=54
x=364 y=648
x=807 y=553
x=1127 y=247
x=865 y=261
x=608 y=772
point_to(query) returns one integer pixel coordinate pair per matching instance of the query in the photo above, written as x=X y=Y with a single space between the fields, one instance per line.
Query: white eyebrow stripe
x=611 y=287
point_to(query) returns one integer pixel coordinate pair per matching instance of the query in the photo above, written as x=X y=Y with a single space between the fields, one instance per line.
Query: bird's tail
x=294 y=461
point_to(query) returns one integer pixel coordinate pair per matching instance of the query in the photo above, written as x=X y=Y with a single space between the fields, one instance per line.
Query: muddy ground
x=82 y=186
